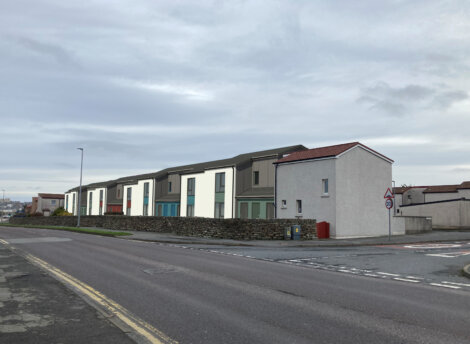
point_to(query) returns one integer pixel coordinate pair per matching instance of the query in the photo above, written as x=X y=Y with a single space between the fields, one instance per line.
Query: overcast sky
x=143 y=85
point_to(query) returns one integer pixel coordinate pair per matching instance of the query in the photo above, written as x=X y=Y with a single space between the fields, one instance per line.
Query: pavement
x=36 y=308
x=434 y=236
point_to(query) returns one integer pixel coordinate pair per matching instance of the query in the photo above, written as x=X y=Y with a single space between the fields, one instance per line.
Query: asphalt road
x=437 y=264
x=198 y=296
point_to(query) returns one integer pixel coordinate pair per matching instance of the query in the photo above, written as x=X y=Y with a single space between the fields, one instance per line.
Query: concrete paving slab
x=35 y=308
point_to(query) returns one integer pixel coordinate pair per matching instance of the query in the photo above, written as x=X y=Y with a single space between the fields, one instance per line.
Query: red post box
x=323 y=230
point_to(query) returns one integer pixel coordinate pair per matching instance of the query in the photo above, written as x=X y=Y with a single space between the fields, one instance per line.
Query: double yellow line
x=142 y=331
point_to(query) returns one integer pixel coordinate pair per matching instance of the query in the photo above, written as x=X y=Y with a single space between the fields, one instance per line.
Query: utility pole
x=80 y=192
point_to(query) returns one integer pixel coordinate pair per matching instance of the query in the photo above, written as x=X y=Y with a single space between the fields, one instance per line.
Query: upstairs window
x=256 y=178
x=191 y=186
x=299 y=206
x=325 y=186
x=220 y=182
x=169 y=186
x=146 y=189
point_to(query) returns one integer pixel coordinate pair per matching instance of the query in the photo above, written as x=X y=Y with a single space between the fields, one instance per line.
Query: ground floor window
x=146 y=210
x=255 y=208
x=219 y=210
x=190 y=210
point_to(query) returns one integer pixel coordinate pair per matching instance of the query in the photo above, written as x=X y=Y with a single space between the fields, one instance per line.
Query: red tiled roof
x=400 y=190
x=325 y=152
x=464 y=185
x=47 y=195
x=441 y=188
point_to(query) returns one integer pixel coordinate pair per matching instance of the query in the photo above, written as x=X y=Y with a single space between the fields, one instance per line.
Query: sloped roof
x=400 y=190
x=51 y=196
x=198 y=167
x=441 y=189
x=464 y=185
x=325 y=152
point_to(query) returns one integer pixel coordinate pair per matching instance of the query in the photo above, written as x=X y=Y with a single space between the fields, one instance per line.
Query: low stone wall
x=237 y=229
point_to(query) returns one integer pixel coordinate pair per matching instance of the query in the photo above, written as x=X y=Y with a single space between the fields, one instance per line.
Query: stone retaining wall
x=236 y=229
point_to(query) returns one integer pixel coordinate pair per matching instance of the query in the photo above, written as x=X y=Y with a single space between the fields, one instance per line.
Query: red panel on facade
x=128 y=204
x=114 y=208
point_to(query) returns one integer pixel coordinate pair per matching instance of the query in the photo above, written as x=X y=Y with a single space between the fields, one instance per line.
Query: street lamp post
x=80 y=191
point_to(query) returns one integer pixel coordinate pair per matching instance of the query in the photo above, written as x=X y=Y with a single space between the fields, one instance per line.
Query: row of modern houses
x=342 y=184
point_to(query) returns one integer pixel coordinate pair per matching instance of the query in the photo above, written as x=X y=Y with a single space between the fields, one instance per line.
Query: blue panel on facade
x=146 y=200
x=191 y=200
x=167 y=208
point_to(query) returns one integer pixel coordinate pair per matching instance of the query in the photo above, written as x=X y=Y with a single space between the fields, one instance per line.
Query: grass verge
x=72 y=229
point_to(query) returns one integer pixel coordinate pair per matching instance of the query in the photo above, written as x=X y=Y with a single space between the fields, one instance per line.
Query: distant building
x=34 y=205
x=47 y=203
x=448 y=205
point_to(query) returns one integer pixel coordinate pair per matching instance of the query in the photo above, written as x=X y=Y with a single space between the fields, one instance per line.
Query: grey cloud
x=398 y=101
x=60 y=54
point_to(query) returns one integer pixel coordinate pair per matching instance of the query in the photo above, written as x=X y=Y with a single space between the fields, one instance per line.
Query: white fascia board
x=367 y=150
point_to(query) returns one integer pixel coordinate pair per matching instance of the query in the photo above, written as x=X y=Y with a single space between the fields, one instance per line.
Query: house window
x=73 y=204
x=129 y=198
x=191 y=186
x=219 y=210
x=146 y=199
x=283 y=203
x=256 y=178
x=299 y=206
x=52 y=201
x=220 y=182
x=67 y=203
x=325 y=186
x=89 y=203
x=101 y=202
x=169 y=186
x=118 y=193
x=190 y=210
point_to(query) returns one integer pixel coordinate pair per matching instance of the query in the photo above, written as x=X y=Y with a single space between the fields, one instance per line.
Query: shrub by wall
x=237 y=229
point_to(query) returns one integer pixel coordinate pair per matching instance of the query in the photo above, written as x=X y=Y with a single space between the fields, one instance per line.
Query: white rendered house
x=343 y=185
x=71 y=202
x=138 y=198
x=208 y=193
x=96 y=201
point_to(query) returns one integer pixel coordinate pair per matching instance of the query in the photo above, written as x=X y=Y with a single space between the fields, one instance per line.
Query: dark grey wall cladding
x=237 y=229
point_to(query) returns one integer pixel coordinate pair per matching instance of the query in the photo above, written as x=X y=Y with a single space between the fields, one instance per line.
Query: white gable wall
x=137 y=198
x=95 y=204
x=204 y=198
x=70 y=208
x=362 y=179
x=303 y=181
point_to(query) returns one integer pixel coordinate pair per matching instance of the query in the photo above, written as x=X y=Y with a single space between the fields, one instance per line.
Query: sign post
x=389 y=205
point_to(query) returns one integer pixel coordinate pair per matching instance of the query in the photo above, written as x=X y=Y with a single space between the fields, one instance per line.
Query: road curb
x=466 y=270
x=284 y=244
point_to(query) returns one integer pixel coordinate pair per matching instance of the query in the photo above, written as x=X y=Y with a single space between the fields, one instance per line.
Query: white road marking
x=455 y=283
x=450 y=254
x=371 y=275
x=418 y=278
x=445 y=286
x=432 y=246
x=348 y=271
x=405 y=280
x=388 y=274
